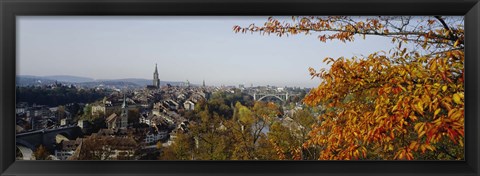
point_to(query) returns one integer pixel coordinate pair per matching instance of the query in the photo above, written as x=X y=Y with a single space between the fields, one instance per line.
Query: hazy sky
x=185 y=48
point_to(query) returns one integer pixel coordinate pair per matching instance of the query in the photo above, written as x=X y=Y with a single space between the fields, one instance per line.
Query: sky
x=185 y=48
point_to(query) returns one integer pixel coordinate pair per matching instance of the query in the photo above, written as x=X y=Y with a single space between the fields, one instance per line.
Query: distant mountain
x=27 y=80
x=58 y=78
x=109 y=84
x=68 y=78
x=138 y=81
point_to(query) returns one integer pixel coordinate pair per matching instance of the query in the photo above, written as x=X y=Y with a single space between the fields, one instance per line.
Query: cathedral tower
x=156 y=80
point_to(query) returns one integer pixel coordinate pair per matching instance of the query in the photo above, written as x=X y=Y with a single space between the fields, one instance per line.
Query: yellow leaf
x=422 y=127
x=433 y=67
x=395 y=107
x=422 y=147
x=429 y=147
x=325 y=59
x=412 y=145
x=456 y=99
x=420 y=107
x=456 y=43
x=413 y=117
x=403 y=88
x=417 y=126
x=457 y=115
x=436 y=112
x=421 y=132
x=444 y=88
x=390 y=147
x=449 y=114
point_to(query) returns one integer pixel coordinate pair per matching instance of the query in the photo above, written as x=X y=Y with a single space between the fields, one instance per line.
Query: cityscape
x=133 y=122
x=240 y=88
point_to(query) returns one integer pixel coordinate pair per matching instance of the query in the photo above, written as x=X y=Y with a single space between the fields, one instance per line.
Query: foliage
x=41 y=153
x=242 y=136
x=57 y=96
x=407 y=103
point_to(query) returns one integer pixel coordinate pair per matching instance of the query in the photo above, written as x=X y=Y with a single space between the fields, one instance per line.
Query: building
x=108 y=106
x=119 y=148
x=121 y=122
x=154 y=136
x=64 y=122
x=67 y=149
x=189 y=105
x=22 y=107
x=153 y=119
x=111 y=121
x=147 y=118
x=103 y=107
x=156 y=80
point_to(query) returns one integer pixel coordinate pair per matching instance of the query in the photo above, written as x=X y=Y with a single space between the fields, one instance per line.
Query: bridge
x=46 y=137
x=283 y=96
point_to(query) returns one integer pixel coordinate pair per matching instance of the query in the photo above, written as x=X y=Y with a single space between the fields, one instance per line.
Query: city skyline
x=185 y=48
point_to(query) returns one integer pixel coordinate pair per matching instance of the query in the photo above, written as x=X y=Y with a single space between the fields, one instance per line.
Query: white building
x=189 y=105
x=153 y=137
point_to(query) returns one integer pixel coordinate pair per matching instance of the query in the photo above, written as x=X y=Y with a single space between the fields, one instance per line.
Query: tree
x=213 y=136
x=159 y=145
x=289 y=135
x=167 y=153
x=406 y=103
x=41 y=153
x=284 y=142
x=182 y=147
x=302 y=122
x=61 y=112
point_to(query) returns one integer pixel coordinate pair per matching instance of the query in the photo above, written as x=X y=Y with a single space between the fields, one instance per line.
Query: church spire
x=156 y=80
x=123 y=121
x=124 y=104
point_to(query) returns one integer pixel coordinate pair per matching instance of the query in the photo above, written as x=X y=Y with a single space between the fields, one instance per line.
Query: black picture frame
x=9 y=9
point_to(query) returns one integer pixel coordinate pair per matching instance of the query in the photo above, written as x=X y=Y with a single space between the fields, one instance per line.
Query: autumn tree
x=61 y=112
x=41 y=153
x=181 y=149
x=205 y=138
x=248 y=127
x=405 y=103
x=167 y=153
x=212 y=135
x=287 y=136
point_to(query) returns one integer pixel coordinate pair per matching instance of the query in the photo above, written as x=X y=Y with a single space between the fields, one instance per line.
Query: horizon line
x=217 y=85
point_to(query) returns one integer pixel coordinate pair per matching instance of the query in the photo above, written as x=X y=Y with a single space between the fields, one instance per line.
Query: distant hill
x=53 y=78
x=71 y=79
x=27 y=80
x=138 y=81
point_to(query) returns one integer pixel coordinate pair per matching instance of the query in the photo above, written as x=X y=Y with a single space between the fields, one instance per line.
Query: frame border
x=12 y=8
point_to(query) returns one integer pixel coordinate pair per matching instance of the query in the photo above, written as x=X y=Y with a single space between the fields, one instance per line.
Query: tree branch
x=452 y=37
